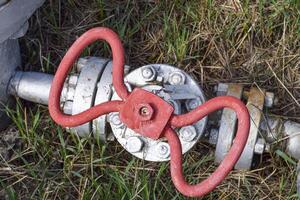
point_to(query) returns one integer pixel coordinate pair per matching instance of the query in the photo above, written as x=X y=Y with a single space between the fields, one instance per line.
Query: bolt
x=260 y=146
x=159 y=79
x=221 y=87
x=81 y=63
x=188 y=133
x=148 y=73
x=126 y=69
x=68 y=107
x=115 y=120
x=163 y=150
x=134 y=144
x=192 y=104
x=177 y=78
x=73 y=79
x=269 y=99
x=64 y=94
x=213 y=136
x=145 y=111
x=176 y=105
x=70 y=94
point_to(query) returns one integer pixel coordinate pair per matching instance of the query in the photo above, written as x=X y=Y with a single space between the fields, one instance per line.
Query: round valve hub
x=178 y=89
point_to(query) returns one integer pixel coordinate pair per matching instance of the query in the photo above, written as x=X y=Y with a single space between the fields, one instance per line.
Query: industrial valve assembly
x=157 y=112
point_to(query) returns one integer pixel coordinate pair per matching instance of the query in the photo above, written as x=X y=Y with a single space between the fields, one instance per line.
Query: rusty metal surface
x=228 y=125
x=255 y=106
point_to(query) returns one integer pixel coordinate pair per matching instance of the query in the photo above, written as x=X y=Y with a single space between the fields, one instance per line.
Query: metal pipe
x=31 y=86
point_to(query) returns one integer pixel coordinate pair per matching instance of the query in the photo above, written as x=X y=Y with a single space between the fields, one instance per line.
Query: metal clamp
x=148 y=114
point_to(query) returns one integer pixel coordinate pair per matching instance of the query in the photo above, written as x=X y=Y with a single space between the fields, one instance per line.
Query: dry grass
x=248 y=42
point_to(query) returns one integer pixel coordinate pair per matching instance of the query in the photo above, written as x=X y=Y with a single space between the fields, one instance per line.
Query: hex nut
x=221 y=87
x=163 y=150
x=191 y=104
x=269 y=99
x=67 y=107
x=115 y=120
x=177 y=78
x=176 y=105
x=70 y=94
x=260 y=146
x=134 y=144
x=188 y=133
x=148 y=73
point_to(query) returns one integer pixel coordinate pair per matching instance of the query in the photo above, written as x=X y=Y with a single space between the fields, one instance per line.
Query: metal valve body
x=92 y=84
x=174 y=86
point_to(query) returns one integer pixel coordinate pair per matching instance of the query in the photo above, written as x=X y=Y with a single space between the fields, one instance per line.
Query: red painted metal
x=148 y=114
x=230 y=159
x=150 y=124
x=65 y=66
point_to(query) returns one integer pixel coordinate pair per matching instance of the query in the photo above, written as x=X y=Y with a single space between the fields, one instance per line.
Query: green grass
x=238 y=41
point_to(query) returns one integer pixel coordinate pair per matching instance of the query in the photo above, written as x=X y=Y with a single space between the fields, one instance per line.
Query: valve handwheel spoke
x=229 y=161
x=148 y=114
x=65 y=66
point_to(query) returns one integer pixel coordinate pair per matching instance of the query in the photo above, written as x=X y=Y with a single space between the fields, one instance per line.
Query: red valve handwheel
x=148 y=114
x=65 y=66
